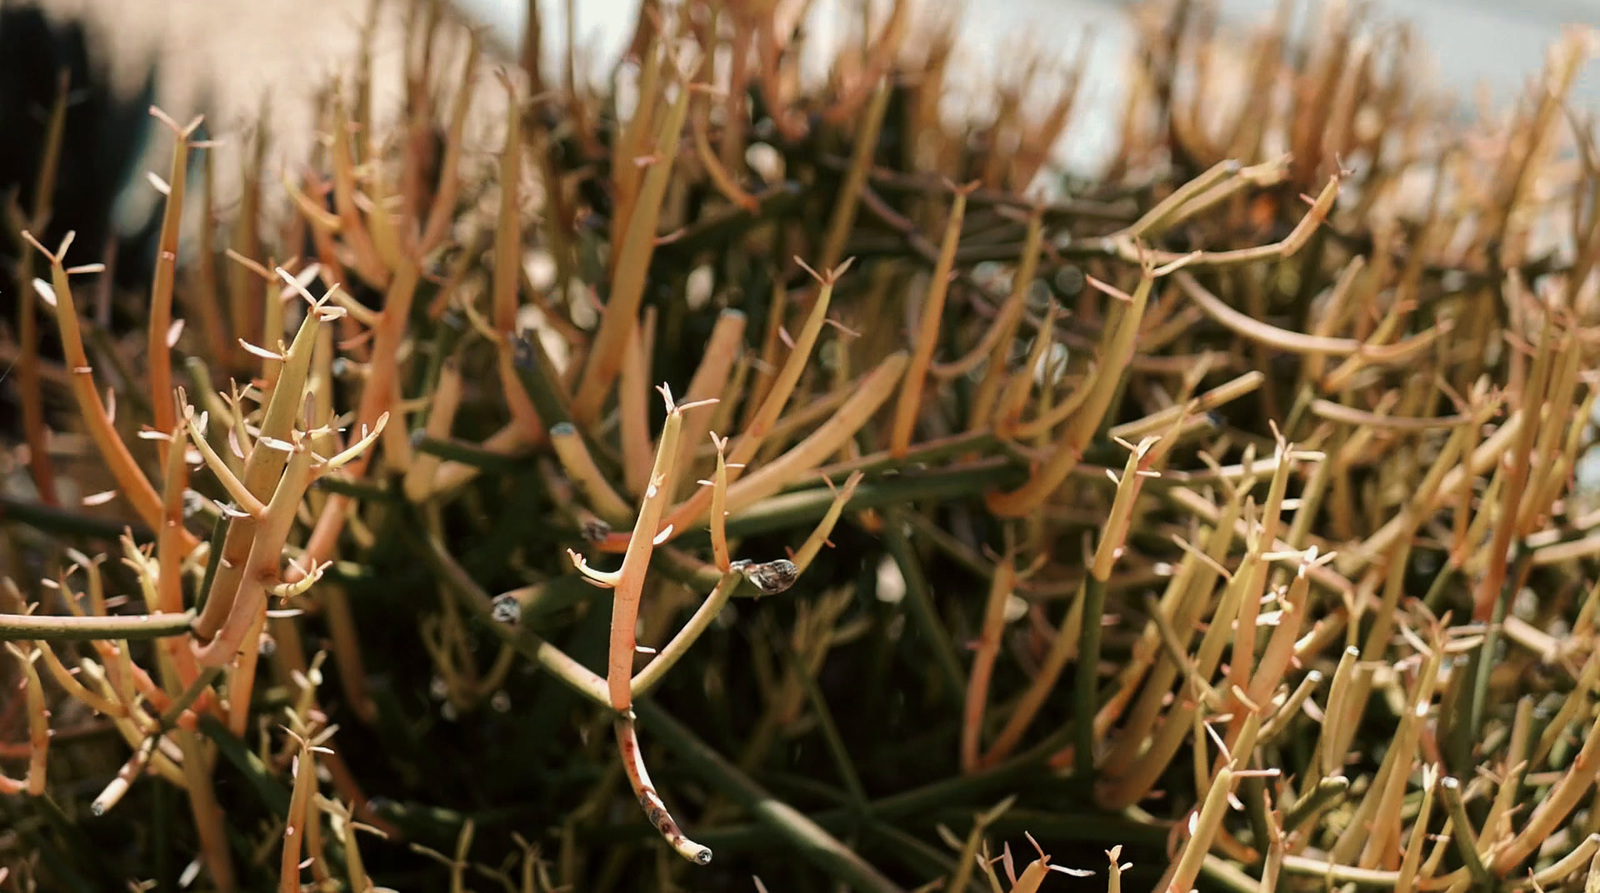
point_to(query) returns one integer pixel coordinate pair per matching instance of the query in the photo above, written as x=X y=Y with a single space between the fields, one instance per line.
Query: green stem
x=56 y=520
x=1327 y=792
x=1438 y=589
x=1491 y=643
x=798 y=507
x=926 y=452
x=356 y=489
x=64 y=866
x=718 y=228
x=57 y=628
x=1455 y=714
x=539 y=379
x=169 y=719
x=929 y=861
x=1100 y=828
x=1252 y=790
x=1461 y=833
x=830 y=730
x=274 y=796
x=219 y=535
x=808 y=839
x=473 y=597
x=919 y=604
x=465 y=453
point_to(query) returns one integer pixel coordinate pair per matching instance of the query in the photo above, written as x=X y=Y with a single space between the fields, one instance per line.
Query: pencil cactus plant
x=1209 y=523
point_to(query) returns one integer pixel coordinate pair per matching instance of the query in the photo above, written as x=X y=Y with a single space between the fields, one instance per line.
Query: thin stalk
x=586 y=476
x=669 y=655
x=837 y=750
x=38 y=718
x=909 y=404
x=378 y=395
x=1554 y=808
x=1116 y=351
x=745 y=449
x=131 y=480
x=574 y=675
x=1063 y=647
x=159 y=347
x=722 y=350
x=631 y=265
x=1328 y=793
x=300 y=814
x=806 y=839
x=920 y=605
x=28 y=364
x=1419 y=833
x=1088 y=677
x=51 y=628
x=848 y=198
x=1461 y=832
x=987 y=651
x=262 y=469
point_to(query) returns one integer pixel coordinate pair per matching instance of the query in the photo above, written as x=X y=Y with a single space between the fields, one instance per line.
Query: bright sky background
x=1499 y=41
x=1496 y=43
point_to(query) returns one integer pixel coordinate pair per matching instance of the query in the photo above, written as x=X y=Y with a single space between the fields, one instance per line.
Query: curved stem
x=650 y=799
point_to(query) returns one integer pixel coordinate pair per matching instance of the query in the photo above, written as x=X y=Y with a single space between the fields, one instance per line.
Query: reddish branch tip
x=831 y=276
